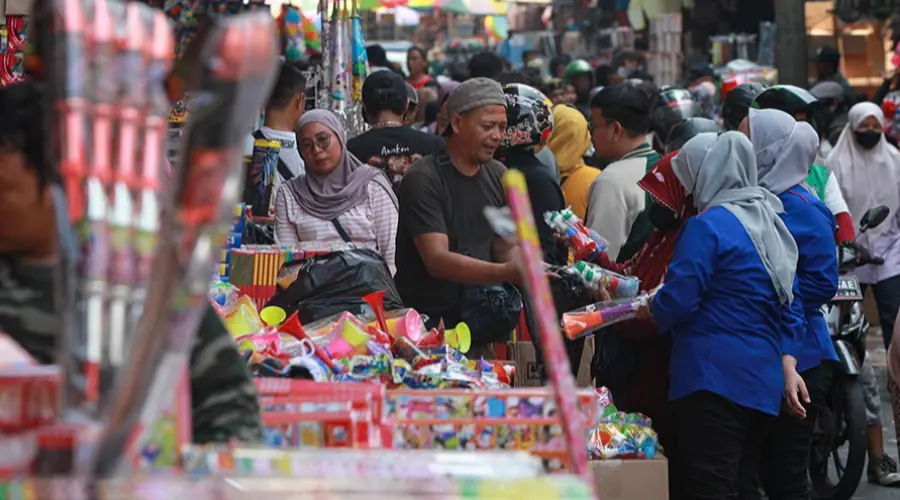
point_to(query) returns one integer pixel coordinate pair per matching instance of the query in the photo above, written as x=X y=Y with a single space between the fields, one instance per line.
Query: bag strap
x=283 y=169
x=340 y=230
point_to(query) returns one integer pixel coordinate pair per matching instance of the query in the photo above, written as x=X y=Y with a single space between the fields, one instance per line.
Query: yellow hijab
x=569 y=141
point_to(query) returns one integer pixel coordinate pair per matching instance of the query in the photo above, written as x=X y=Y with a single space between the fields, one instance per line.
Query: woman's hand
x=643 y=311
x=795 y=393
x=601 y=294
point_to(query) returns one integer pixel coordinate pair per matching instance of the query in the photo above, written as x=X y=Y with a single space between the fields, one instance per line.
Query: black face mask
x=662 y=218
x=868 y=139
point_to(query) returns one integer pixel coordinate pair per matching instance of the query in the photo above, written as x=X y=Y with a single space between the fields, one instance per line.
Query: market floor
x=867 y=491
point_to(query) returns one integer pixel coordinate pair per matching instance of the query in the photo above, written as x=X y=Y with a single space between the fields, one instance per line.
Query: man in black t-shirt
x=390 y=145
x=443 y=238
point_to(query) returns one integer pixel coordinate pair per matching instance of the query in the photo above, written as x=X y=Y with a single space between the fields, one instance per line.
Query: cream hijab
x=867 y=177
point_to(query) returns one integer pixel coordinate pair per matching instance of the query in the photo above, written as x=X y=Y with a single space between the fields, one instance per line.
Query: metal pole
x=791 y=58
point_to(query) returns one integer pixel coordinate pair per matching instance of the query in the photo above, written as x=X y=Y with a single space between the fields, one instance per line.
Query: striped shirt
x=372 y=224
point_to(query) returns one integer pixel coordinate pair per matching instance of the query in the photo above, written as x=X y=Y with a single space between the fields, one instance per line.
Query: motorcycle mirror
x=874 y=217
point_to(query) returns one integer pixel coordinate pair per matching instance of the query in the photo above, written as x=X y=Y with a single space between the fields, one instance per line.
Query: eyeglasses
x=322 y=141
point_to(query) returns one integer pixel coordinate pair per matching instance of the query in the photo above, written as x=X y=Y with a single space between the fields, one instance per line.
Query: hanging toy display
x=290 y=29
x=339 y=77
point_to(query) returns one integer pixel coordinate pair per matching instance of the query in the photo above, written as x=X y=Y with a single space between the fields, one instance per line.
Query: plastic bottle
x=583 y=243
x=618 y=286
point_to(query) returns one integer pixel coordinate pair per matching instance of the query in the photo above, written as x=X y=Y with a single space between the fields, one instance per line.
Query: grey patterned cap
x=475 y=93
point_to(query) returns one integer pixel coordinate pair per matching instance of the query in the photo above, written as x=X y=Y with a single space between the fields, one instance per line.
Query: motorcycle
x=842 y=421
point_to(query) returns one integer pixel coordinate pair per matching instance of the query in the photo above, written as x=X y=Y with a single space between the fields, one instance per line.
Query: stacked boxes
x=665 y=49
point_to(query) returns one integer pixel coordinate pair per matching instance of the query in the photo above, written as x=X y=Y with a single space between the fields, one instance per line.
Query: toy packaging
x=590 y=319
x=585 y=244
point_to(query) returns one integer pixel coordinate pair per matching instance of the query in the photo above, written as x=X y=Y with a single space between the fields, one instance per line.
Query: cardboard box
x=632 y=479
x=527 y=374
x=18 y=7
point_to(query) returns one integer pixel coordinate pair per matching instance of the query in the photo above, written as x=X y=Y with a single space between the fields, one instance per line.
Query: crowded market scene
x=449 y=249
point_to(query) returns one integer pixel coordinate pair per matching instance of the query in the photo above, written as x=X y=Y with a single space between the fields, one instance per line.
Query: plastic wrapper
x=587 y=320
x=16 y=33
x=259 y=187
x=595 y=278
x=619 y=434
x=335 y=282
x=239 y=58
x=585 y=244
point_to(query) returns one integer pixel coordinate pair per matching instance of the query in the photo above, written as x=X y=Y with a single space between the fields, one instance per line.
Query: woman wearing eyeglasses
x=339 y=198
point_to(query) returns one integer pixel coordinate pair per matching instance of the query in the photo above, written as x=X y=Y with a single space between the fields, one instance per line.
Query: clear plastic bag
x=588 y=320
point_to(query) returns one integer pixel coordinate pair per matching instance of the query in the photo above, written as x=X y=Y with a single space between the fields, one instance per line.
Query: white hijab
x=867 y=177
x=785 y=149
x=726 y=177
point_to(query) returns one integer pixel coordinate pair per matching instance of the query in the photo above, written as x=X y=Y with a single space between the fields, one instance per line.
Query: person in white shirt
x=283 y=111
x=620 y=120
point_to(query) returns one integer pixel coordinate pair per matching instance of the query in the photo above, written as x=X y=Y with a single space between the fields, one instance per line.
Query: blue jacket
x=813 y=226
x=726 y=322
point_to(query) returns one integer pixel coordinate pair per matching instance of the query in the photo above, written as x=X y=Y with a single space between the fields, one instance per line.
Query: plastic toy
x=242 y=318
x=587 y=320
x=595 y=277
x=585 y=244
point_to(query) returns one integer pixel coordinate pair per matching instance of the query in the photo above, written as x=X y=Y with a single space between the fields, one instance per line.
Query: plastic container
x=595 y=277
x=588 y=320
x=585 y=244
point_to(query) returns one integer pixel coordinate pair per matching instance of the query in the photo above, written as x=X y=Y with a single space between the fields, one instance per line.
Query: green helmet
x=577 y=67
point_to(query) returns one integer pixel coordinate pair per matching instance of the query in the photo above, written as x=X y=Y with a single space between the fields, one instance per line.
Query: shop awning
x=474 y=7
x=388 y=4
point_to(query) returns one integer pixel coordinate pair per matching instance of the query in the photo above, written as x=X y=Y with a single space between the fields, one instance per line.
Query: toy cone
x=459 y=338
x=376 y=302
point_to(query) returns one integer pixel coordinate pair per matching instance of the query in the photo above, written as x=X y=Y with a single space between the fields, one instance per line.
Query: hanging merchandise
x=358 y=46
x=338 y=80
x=202 y=215
x=290 y=28
x=12 y=60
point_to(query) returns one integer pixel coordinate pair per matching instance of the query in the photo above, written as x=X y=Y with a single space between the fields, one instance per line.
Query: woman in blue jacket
x=725 y=302
x=785 y=150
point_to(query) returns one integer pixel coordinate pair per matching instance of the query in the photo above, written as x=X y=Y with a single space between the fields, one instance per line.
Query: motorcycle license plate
x=848 y=289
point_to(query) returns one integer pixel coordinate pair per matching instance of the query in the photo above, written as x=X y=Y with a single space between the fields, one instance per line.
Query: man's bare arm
x=502 y=250
x=457 y=268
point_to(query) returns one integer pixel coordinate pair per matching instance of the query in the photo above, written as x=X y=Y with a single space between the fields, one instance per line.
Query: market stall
x=354 y=385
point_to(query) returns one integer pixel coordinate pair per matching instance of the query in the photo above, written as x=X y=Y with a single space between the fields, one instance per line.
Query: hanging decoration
x=290 y=30
x=358 y=49
x=338 y=80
